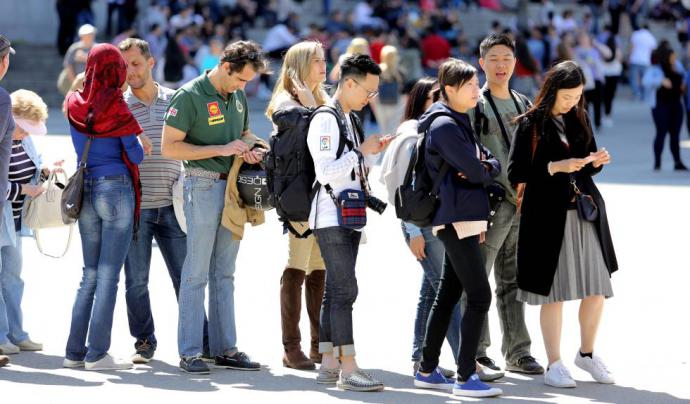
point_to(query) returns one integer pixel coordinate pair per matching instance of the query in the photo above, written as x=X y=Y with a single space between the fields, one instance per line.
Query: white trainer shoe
x=108 y=363
x=8 y=348
x=70 y=364
x=557 y=375
x=595 y=367
x=29 y=345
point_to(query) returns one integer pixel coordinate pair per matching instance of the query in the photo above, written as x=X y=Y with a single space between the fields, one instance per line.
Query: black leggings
x=668 y=118
x=463 y=270
x=610 y=86
x=593 y=98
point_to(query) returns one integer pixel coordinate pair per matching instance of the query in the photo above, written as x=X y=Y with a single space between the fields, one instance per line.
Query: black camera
x=376 y=204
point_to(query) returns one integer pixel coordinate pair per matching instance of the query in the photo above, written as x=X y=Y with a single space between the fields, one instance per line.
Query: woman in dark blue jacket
x=459 y=222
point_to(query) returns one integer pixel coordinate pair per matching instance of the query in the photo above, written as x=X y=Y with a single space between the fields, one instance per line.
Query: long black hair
x=414 y=107
x=565 y=75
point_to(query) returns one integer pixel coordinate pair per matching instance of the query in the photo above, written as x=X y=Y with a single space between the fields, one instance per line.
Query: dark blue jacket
x=451 y=139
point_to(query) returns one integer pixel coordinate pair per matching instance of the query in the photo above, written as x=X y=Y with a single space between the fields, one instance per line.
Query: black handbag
x=586 y=207
x=73 y=194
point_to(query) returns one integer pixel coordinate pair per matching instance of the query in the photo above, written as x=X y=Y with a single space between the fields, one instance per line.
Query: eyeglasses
x=370 y=94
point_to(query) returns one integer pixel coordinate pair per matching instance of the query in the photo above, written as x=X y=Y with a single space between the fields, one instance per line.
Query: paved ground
x=644 y=335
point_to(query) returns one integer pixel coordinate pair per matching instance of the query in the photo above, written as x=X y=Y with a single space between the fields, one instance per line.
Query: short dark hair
x=495 y=40
x=129 y=43
x=454 y=73
x=242 y=53
x=358 y=66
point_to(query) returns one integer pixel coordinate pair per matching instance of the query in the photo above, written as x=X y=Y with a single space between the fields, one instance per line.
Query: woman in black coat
x=562 y=256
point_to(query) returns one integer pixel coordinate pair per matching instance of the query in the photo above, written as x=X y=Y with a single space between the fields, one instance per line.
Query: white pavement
x=644 y=336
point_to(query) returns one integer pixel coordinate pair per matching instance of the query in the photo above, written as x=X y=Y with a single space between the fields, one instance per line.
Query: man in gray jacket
x=6 y=129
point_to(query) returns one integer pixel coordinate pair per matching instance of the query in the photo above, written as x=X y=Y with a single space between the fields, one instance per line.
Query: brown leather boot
x=314 y=295
x=290 y=309
x=4 y=360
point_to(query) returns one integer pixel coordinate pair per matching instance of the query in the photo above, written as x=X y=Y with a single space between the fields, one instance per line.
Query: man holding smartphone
x=204 y=126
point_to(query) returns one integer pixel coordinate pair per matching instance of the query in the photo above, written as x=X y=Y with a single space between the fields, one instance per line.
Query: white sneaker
x=29 y=345
x=8 y=349
x=108 y=363
x=68 y=363
x=557 y=375
x=595 y=367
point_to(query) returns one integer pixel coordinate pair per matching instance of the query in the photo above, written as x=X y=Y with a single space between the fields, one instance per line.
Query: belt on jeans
x=200 y=172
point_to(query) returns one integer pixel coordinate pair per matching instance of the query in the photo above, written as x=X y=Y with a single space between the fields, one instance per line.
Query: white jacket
x=323 y=140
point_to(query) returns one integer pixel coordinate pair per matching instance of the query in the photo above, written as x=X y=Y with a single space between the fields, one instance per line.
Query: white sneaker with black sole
x=557 y=375
x=595 y=367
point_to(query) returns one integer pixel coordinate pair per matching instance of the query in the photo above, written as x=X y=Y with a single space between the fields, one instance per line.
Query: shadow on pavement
x=399 y=388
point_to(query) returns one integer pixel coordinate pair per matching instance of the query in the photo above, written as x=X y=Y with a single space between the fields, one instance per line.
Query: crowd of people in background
x=410 y=40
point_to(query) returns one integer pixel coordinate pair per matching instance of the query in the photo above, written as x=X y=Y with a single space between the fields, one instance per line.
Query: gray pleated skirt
x=581 y=270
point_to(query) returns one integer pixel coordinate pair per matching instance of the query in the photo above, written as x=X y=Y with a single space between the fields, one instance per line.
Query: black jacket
x=546 y=199
x=451 y=139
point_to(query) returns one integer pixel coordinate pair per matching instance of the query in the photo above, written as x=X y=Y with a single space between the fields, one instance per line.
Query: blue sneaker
x=474 y=387
x=435 y=381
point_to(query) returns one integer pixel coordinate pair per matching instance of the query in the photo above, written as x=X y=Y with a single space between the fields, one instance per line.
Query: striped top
x=22 y=171
x=157 y=173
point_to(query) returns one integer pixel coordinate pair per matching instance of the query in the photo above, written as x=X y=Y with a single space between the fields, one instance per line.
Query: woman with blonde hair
x=301 y=84
x=358 y=46
x=388 y=103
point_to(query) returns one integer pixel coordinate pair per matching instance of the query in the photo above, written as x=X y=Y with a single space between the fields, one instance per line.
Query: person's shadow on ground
x=517 y=389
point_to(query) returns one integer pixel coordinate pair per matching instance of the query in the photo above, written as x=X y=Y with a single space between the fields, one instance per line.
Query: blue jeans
x=159 y=224
x=105 y=225
x=433 y=268
x=211 y=254
x=635 y=73
x=11 y=291
x=339 y=247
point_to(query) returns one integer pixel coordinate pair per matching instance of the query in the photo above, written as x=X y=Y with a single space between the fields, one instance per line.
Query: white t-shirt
x=279 y=37
x=323 y=140
x=643 y=44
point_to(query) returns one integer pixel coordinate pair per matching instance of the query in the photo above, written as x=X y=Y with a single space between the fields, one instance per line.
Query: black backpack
x=289 y=166
x=416 y=200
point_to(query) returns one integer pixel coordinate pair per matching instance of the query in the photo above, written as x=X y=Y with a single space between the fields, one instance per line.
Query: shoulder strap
x=504 y=132
x=85 y=153
x=341 y=129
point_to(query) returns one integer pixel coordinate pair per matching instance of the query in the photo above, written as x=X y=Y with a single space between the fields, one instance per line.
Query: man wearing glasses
x=339 y=245
x=6 y=129
x=204 y=125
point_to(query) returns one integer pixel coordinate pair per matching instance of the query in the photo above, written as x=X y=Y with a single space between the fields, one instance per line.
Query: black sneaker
x=526 y=364
x=489 y=363
x=144 y=352
x=194 y=365
x=238 y=361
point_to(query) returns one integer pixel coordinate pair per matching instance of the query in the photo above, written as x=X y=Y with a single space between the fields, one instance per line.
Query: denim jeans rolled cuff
x=337 y=351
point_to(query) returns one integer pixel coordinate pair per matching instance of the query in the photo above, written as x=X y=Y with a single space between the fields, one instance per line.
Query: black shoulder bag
x=73 y=194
